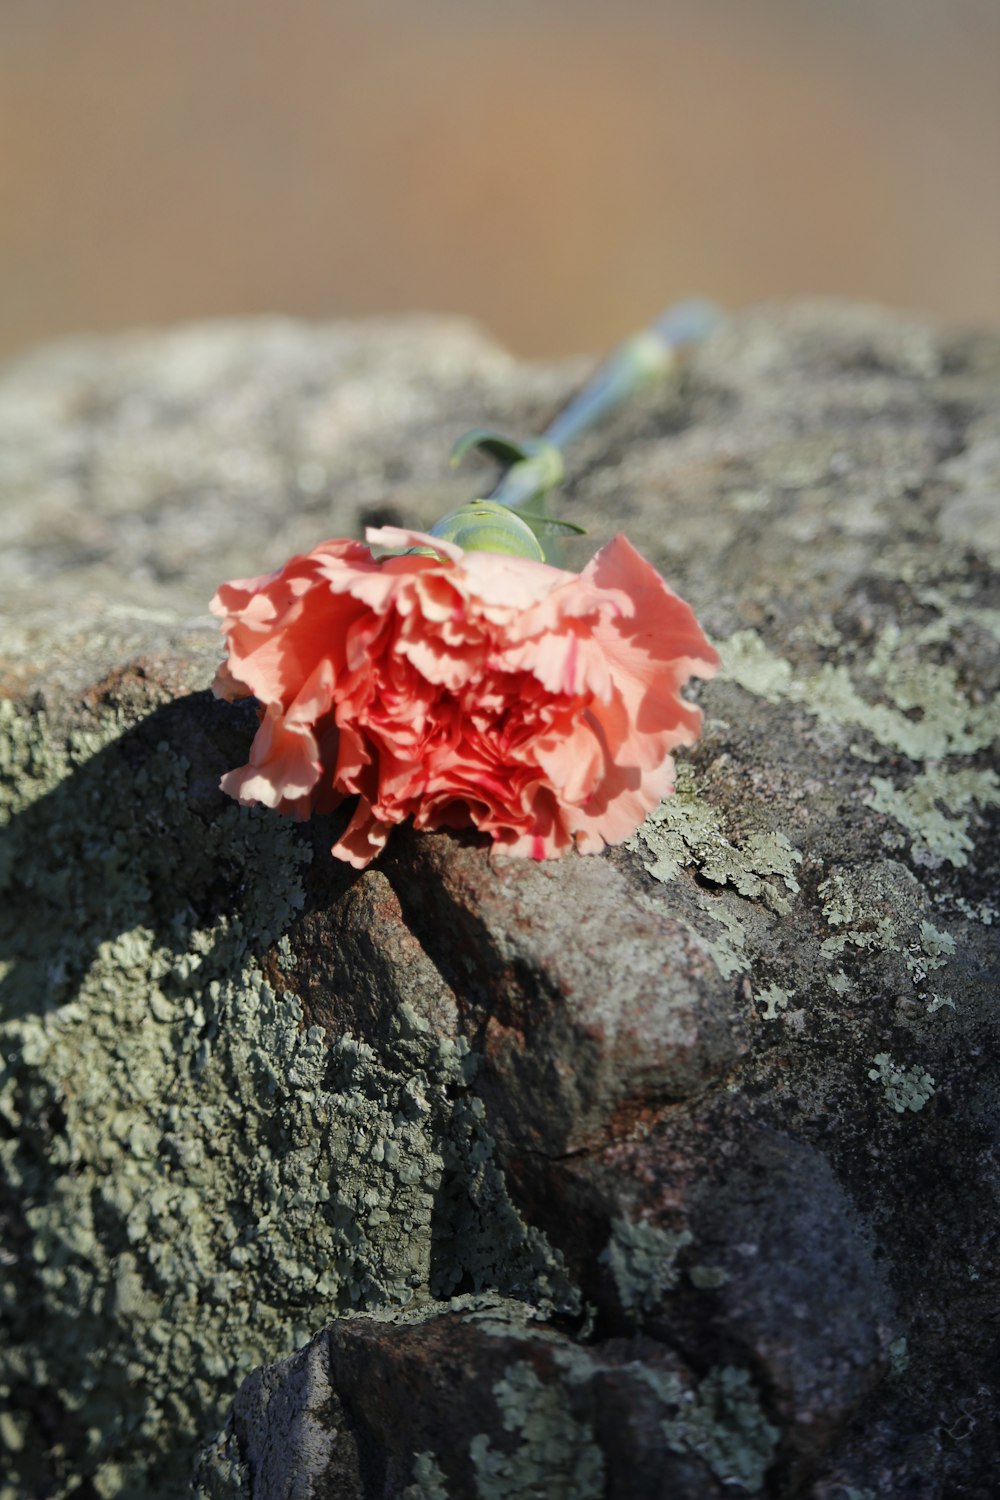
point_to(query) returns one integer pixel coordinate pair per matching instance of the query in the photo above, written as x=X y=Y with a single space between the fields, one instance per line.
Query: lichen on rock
x=554 y=1454
x=641 y=1258
x=904 y=1088
x=633 y=1171
x=686 y=830
x=202 y=1176
x=725 y=1425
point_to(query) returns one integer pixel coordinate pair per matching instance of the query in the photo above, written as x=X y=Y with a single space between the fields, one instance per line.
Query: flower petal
x=461 y=688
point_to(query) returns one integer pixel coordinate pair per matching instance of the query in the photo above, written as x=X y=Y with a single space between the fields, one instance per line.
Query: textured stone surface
x=676 y=1164
x=510 y=1407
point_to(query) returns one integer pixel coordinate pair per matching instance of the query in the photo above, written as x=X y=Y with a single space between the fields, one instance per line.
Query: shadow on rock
x=135 y=900
x=137 y=833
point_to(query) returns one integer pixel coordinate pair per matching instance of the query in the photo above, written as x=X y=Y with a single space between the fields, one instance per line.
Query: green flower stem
x=513 y=517
x=635 y=364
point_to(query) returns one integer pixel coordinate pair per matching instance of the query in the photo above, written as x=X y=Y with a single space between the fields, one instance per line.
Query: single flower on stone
x=462 y=689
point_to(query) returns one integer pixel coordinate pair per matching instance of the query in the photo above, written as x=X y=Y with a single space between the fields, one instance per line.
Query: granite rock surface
x=672 y=1171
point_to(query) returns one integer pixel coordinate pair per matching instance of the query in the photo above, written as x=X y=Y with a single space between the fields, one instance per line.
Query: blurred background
x=558 y=170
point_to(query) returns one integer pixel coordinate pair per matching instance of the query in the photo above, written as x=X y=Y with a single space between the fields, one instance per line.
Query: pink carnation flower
x=476 y=688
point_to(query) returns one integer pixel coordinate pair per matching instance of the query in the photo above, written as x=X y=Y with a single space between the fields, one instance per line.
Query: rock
x=564 y=1420
x=580 y=1024
x=664 y=1171
x=711 y=1235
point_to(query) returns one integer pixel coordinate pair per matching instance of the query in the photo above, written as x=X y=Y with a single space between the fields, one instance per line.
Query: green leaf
x=505 y=450
x=549 y=526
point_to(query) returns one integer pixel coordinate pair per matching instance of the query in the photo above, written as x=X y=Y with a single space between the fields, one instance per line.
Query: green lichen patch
x=748 y=662
x=935 y=809
x=981 y=911
x=918 y=707
x=726 y=948
x=642 y=1261
x=708 y=1278
x=720 y=1420
x=686 y=830
x=760 y=864
x=202 y=1180
x=554 y=1455
x=937 y=946
x=724 y=1424
x=774 y=1000
x=903 y=1088
x=953 y=614
x=878 y=910
x=428 y=1480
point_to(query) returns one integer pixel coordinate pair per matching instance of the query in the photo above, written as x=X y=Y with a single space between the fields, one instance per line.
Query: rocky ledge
x=672 y=1171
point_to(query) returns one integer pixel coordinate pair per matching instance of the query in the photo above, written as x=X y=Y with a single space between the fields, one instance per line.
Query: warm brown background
x=559 y=170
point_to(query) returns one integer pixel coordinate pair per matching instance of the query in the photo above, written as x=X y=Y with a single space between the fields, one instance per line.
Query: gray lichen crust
x=606 y=1175
x=200 y=1177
